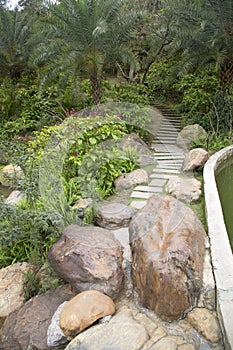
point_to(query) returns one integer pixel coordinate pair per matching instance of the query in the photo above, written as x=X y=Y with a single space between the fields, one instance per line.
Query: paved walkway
x=168 y=158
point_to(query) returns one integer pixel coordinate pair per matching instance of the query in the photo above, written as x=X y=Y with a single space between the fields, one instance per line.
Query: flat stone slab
x=143 y=195
x=169 y=171
x=157 y=182
x=149 y=189
x=138 y=204
x=161 y=176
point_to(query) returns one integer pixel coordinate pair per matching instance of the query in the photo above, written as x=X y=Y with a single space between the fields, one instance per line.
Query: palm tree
x=15 y=42
x=81 y=36
x=203 y=31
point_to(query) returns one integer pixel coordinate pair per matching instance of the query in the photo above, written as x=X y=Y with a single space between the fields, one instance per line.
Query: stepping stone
x=157 y=182
x=142 y=195
x=166 y=158
x=138 y=204
x=161 y=176
x=149 y=189
x=159 y=170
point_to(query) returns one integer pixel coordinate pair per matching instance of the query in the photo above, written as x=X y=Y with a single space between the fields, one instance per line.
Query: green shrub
x=25 y=234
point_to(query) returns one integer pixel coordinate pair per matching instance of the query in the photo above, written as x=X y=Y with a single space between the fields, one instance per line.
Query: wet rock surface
x=113 y=216
x=89 y=258
x=167 y=242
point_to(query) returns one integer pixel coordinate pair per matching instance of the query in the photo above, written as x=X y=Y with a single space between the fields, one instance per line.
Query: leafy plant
x=25 y=234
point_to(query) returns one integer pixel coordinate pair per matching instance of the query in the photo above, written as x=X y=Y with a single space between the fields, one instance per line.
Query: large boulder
x=26 y=328
x=10 y=175
x=128 y=180
x=114 y=215
x=190 y=134
x=194 y=159
x=83 y=310
x=121 y=333
x=187 y=189
x=89 y=258
x=168 y=247
x=12 y=287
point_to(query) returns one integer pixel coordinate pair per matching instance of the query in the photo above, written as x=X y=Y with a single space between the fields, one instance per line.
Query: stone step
x=167 y=142
x=161 y=176
x=168 y=171
x=150 y=189
x=169 y=156
x=141 y=195
x=158 y=182
x=167 y=132
x=138 y=204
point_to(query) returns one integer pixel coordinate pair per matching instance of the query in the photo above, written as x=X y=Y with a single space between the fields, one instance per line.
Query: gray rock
x=189 y=134
x=187 y=189
x=194 y=159
x=55 y=336
x=89 y=258
x=121 y=333
x=168 y=247
x=114 y=215
x=128 y=180
x=26 y=328
x=10 y=175
x=15 y=197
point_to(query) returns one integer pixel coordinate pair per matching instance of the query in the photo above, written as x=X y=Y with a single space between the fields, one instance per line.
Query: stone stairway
x=168 y=157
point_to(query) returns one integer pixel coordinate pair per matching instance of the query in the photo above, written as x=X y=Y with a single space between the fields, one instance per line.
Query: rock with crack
x=168 y=248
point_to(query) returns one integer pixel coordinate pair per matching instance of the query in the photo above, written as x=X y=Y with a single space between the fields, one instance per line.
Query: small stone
x=55 y=336
x=114 y=216
x=205 y=322
x=83 y=310
x=185 y=189
x=15 y=197
x=10 y=175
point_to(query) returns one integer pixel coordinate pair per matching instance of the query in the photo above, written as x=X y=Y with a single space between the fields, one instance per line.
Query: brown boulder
x=10 y=175
x=26 y=328
x=83 y=310
x=194 y=159
x=89 y=258
x=12 y=287
x=114 y=215
x=168 y=247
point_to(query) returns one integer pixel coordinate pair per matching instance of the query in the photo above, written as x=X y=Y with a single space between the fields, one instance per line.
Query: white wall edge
x=221 y=254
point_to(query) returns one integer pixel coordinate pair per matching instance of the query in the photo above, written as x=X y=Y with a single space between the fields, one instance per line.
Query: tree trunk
x=96 y=89
x=227 y=76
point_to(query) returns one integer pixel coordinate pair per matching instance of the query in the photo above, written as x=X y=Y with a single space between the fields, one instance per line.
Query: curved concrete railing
x=221 y=253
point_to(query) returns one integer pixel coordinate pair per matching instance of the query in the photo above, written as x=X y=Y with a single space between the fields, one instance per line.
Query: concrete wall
x=221 y=254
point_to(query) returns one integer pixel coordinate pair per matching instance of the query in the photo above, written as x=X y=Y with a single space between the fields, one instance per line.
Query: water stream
x=224 y=179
